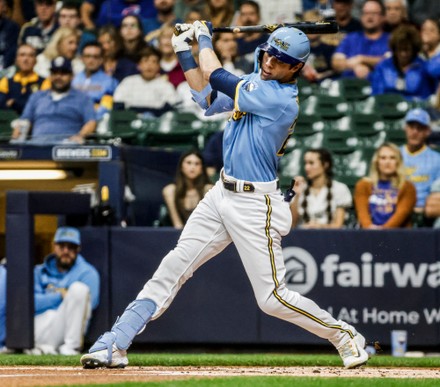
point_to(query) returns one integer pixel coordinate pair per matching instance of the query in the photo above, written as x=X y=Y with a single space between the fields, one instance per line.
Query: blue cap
x=418 y=115
x=61 y=64
x=67 y=234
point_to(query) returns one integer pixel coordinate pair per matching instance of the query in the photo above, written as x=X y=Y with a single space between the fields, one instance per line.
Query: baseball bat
x=321 y=27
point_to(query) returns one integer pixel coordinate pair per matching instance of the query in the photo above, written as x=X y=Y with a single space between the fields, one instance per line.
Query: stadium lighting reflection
x=32 y=174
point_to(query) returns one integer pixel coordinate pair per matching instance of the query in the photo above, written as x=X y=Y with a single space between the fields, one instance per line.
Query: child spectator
x=385 y=199
x=147 y=91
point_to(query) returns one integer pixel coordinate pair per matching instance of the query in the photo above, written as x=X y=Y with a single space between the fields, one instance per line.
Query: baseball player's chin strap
x=131 y=323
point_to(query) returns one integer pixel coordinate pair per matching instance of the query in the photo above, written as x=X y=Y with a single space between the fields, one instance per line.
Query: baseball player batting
x=246 y=205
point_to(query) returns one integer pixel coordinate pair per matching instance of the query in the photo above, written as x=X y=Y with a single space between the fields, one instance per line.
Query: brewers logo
x=281 y=44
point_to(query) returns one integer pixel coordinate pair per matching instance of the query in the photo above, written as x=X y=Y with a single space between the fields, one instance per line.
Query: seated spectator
x=347 y=23
x=422 y=164
x=94 y=81
x=169 y=65
x=190 y=186
x=39 y=31
x=404 y=72
x=60 y=114
x=147 y=91
x=385 y=199
x=432 y=207
x=430 y=34
x=9 y=31
x=225 y=47
x=396 y=14
x=115 y=64
x=249 y=15
x=318 y=67
x=89 y=11
x=68 y=16
x=113 y=11
x=63 y=43
x=165 y=15
x=359 y=52
x=219 y=12
x=16 y=89
x=320 y=201
x=66 y=290
x=132 y=35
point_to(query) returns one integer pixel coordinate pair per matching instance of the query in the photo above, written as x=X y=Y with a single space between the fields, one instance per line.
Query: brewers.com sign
x=83 y=153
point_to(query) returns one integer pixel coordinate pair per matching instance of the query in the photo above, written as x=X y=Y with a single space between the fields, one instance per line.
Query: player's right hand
x=202 y=27
x=182 y=37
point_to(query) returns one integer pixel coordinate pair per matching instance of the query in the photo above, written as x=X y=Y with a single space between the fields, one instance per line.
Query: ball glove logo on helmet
x=287 y=44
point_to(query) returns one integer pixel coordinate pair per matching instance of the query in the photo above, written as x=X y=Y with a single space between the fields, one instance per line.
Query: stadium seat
x=306 y=88
x=291 y=165
x=389 y=106
x=339 y=140
x=122 y=126
x=397 y=137
x=327 y=107
x=351 y=89
x=6 y=117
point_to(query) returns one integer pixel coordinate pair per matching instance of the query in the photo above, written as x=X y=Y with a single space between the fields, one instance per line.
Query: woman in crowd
x=190 y=186
x=385 y=199
x=320 y=201
x=132 y=34
x=115 y=64
x=64 y=42
x=404 y=72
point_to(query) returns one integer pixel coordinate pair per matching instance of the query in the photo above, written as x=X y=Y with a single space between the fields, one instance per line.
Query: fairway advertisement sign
x=377 y=281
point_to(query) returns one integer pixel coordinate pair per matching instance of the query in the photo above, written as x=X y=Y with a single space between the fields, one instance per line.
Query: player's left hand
x=202 y=27
x=182 y=37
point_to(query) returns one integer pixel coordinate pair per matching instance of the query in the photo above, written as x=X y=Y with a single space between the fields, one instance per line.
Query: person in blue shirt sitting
x=405 y=72
x=93 y=81
x=66 y=290
x=61 y=114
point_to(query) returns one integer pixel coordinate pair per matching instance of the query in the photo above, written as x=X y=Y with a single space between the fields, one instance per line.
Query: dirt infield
x=52 y=376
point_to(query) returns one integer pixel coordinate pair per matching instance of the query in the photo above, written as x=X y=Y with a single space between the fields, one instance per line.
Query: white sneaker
x=353 y=353
x=42 y=349
x=68 y=351
x=100 y=359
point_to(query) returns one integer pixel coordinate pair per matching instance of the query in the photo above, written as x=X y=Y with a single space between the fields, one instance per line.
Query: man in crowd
x=16 y=89
x=422 y=164
x=94 y=81
x=61 y=113
x=40 y=29
x=66 y=290
x=359 y=52
x=8 y=37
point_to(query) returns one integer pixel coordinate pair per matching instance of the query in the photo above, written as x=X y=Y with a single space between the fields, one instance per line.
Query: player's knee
x=269 y=306
x=78 y=291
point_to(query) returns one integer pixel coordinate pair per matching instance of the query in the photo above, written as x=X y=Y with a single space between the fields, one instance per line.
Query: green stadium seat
x=291 y=165
x=389 y=106
x=123 y=125
x=339 y=140
x=6 y=117
x=327 y=107
x=306 y=88
x=397 y=137
x=352 y=89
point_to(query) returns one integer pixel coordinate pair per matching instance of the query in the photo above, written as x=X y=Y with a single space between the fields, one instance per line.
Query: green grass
x=281 y=381
x=268 y=360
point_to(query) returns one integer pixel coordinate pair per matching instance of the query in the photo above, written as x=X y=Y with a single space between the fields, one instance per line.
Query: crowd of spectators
x=117 y=54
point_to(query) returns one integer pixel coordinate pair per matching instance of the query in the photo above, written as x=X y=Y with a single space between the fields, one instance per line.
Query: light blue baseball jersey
x=421 y=168
x=262 y=122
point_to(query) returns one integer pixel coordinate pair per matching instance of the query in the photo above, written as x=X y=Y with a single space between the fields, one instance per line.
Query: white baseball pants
x=67 y=324
x=255 y=222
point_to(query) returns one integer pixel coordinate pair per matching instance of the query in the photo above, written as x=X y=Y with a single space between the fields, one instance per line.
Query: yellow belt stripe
x=274 y=276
